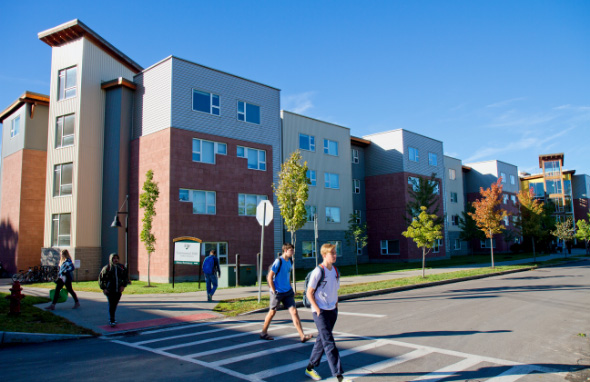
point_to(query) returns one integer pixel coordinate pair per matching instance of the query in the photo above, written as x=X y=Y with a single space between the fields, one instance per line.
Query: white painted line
x=513 y=374
x=192 y=360
x=302 y=364
x=450 y=370
x=260 y=354
x=181 y=327
x=349 y=313
x=207 y=340
x=194 y=334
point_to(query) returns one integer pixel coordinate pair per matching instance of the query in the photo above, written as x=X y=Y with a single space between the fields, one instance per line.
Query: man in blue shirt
x=281 y=291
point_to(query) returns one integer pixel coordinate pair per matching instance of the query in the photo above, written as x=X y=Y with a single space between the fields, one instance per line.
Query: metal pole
x=315 y=228
x=237 y=269
x=261 y=254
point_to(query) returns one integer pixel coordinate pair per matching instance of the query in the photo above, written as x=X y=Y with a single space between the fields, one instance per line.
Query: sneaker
x=76 y=305
x=313 y=374
x=342 y=379
x=50 y=307
x=112 y=323
x=209 y=297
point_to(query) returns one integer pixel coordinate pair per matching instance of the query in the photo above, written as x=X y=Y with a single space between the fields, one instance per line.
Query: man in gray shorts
x=281 y=292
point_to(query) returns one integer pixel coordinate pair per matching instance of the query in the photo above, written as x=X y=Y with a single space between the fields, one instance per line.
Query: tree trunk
x=149 y=256
x=293 y=258
x=534 y=254
x=423 y=262
x=492 y=248
x=356 y=257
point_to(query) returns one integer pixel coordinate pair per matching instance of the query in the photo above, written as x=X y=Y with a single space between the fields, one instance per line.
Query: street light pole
x=117 y=224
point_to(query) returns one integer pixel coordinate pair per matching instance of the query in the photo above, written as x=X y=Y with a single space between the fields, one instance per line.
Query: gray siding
x=16 y=143
x=425 y=146
x=483 y=174
x=581 y=187
x=385 y=155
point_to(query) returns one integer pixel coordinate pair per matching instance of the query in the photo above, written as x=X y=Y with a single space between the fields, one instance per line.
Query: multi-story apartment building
x=455 y=206
x=22 y=181
x=394 y=162
x=326 y=149
x=482 y=175
x=359 y=196
x=581 y=195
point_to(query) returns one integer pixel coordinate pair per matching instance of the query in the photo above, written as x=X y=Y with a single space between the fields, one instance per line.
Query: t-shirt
x=326 y=295
x=281 y=279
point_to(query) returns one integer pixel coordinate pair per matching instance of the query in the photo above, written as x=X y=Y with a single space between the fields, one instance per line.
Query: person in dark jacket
x=64 y=278
x=211 y=278
x=112 y=280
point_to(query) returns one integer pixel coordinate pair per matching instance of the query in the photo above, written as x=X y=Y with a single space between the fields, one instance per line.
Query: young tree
x=468 y=226
x=564 y=231
x=583 y=232
x=424 y=192
x=292 y=193
x=530 y=222
x=147 y=201
x=488 y=215
x=356 y=234
x=425 y=232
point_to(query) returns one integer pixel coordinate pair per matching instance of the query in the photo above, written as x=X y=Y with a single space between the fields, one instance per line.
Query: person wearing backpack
x=281 y=291
x=66 y=267
x=112 y=280
x=322 y=293
x=211 y=270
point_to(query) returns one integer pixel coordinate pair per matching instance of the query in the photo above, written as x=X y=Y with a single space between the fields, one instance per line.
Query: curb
x=29 y=338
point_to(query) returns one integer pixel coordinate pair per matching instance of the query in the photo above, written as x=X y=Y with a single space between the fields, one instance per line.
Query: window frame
x=437 y=245
x=328 y=148
x=503 y=176
x=413 y=154
x=245 y=113
x=57 y=236
x=15 y=126
x=57 y=179
x=329 y=215
x=260 y=163
x=432 y=157
x=452 y=174
x=191 y=200
x=455 y=247
x=216 y=150
x=512 y=179
x=310 y=211
x=355 y=156
x=259 y=198
x=212 y=106
x=63 y=79
x=221 y=248
x=312 y=254
x=59 y=130
x=358 y=216
x=455 y=220
x=312 y=177
x=386 y=248
x=454 y=199
x=328 y=180
x=310 y=142
x=356 y=186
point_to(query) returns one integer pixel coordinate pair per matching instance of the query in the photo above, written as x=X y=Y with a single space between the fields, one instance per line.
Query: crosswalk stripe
x=513 y=373
x=260 y=353
x=449 y=370
x=184 y=327
x=192 y=334
x=183 y=345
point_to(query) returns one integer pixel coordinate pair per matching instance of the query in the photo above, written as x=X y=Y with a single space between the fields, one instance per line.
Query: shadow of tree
x=8 y=244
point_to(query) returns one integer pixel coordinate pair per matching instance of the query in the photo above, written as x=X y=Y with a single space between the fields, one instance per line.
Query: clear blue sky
x=505 y=80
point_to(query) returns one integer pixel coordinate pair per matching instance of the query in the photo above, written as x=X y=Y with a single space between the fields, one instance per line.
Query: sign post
x=187 y=250
x=264 y=216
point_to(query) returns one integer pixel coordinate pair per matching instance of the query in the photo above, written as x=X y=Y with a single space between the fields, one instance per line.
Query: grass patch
x=35 y=320
x=136 y=287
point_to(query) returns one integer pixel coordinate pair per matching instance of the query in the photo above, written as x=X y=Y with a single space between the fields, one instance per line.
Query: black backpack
x=306 y=301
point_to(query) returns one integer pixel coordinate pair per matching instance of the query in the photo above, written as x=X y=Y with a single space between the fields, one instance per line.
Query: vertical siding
x=425 y=146
x=16 y=143
x=456 y=186
x=385 y=155
x=581 y=188
x=36 y=128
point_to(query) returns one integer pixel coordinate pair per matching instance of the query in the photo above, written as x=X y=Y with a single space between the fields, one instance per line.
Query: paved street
x=521 y=326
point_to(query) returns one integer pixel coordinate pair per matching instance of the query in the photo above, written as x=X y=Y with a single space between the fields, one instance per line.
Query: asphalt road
x=518 y=327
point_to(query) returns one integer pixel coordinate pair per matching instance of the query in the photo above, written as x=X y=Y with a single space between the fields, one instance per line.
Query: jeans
x=60 y=284
x=211 y=281
x=113 y=298
x=325 y=342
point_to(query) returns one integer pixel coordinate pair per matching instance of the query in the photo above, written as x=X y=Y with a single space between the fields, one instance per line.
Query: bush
x=516 y=248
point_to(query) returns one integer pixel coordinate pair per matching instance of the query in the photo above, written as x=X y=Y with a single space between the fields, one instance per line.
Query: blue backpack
x=208 y=265
x=306 y=301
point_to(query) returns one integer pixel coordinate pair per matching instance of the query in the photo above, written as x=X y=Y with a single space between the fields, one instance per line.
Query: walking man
x=322 y=293
x=281 y=291
x=211 y=270
x=112 y=280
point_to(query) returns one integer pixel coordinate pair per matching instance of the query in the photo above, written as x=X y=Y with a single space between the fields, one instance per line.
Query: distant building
x=455 y=206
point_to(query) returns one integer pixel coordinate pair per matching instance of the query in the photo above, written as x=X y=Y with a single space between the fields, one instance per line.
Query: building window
x=247 y=204
x=437 y=245
x=432 y=159
x=454 y=197
x=64 y=131
x=204 y=151
x=454 y=220
x=66 y=83
x=15 y=126
x=503 y=176
x=311 y=211
x=553 y=186
x=486 y=243
x=332 y=214
x=248 y=112
x=457 y=244
x=308 y=250
x=538 y=190
x=206 y=102
x=204 y=202
x=62 y=179
x=219 y=247
x=256 y=158
x=434 y=184
x=552 y=167
x=356 y=185
x=413 y=154
x=60 y=230
x=414 y=182
x=331 y=180
x=512 y=179
x=355 y=156
x=506 y=221
x=311 y=176
x=338 y=245
x=513 y=199
x=306 y=142
x=330 y=147
x=357 y=214
x=390 y=247
x=452 y=174
x=505 y=198
x=359 y=249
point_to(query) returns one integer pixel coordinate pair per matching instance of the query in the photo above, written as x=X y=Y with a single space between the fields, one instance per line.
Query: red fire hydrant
x=15 y=297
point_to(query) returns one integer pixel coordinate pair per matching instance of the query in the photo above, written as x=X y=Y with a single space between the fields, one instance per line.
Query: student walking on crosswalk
x=322 y=293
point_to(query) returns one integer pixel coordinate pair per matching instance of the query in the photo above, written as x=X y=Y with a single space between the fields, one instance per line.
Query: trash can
x=228 y=275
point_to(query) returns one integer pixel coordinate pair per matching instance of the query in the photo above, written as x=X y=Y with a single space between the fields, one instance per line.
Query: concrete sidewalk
x=140 y=311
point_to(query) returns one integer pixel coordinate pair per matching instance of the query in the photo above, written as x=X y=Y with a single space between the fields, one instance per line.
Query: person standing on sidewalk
x=211 y=270
x=112 y=280
x=322 y=293
x=281 y=291
x=64 y=278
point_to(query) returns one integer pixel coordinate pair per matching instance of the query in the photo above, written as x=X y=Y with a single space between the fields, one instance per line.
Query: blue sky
x=505 y=80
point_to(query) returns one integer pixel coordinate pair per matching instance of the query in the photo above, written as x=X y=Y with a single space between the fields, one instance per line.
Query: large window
x=355 y=156
x=247 y=204
x=513 y=199
x=330 y=147
x=306 y=142
x=204 y=202
x=308 y=250
x=454 y=197
x=15 y=126
x=437 y=245
x=512 y=179
x=357 y=214
x=60 y=230
x=414 y=182
x=311 y=176
x=486 y=243
x=62 y=179
x=248 y=112
x=219 y=247
x=503 y=176
x=66 y=83
x=356 y=186
x=256 y=158
x=204 y=151
x=505 y=198
x=310 y=211
x=206 y=102
x=331 y=180
x=553 y=186
x=432 y=159
x=64 y=131
x=390 y=247
x=413 y=154
x=338 y=245
x=454 y=220
x=332 y=214
x=452 y=174
x=538 y=189
x=552 y=167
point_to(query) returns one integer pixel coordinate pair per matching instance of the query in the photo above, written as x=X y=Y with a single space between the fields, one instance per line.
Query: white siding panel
x=152 y=111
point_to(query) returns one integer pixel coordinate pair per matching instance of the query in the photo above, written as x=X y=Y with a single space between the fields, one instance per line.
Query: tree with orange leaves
x=531 y=216
x=488 y=215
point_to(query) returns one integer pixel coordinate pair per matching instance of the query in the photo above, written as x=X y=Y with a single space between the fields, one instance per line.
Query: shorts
x=287 y=298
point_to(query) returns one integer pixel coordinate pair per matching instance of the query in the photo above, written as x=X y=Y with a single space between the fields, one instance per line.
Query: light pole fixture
x=117 y=224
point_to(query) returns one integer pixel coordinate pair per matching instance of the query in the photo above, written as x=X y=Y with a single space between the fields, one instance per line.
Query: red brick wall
x=10 y=210
x=581 y=208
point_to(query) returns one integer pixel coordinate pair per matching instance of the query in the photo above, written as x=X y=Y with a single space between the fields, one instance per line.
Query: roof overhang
x=359 y=141
x=27 y=97
x=118 y=82
x=75 y=29
x=546 y=157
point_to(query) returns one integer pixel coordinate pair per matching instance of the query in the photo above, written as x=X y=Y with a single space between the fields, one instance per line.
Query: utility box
x=228 y=275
